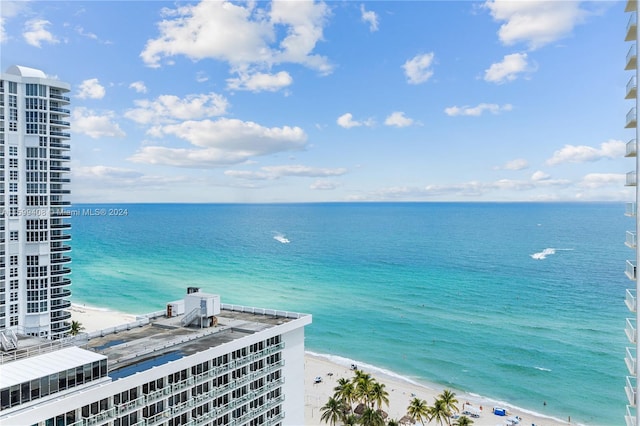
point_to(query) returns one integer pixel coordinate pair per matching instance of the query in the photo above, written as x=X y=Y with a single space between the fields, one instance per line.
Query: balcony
x=631 y=239
x=60 y=315
x=60 y=304
x=631 y=121
x=59 y=260
x=631 y=300
x=61 y=271
x=60 y=180
x=59 y=282
x=60 y=203
x=631 y=179
x=60 y=327
x=60 y=226
x=60 y=157
x=59 y=97
x=632 y=58
x=630 y=389
x=58 y=293
x=630 y=360
x=630 y=270
x=59 y=169
x=58 y=145
x=60 y=191
x=630 y=330
x=60 y=122
x=630 y=209
x=60 y=134
x=632 y=148
x=60 y=110
x=629 y=418
x=60 y=213
x=59 y=249
x=631 y=6
x=632 y=28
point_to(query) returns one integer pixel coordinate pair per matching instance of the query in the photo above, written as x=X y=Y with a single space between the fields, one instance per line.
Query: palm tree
x=449 y=399
x=362 y=386
x=463 y=421
x=418 y=410
x=393 y=422
x=371 y=417
x=439 y=412
x=350 y=420
x=76 y=328
x=344 y=392
x=332 y=411
x=379 y=395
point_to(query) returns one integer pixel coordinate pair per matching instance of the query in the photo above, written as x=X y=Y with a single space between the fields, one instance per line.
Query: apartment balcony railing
x=60 y=122
x=60 y=282
x=60 y=226
x=60 y=191
x=60 y=315
x=631 y=119
x=60 y=157
x=60 y=293
x=631 y=239
x=60 y=180
x=630 y=389
x=630 y=270
x=60 y=203
x=59 y=169
x=60 y=304
x=59 y=260
x=631 y=331
x=60 y=327
x=631 y=300
x=632 y=148
x=61 y=271
x=632 y=28
x=630 y=418
x=60 y=110
x=60 y=213
x=60 y=134
x=59 y=97
x=632 y=58
x=630 y=209
x=59 y=249
x=58 y=145
x=630 y=360
x=631 y=179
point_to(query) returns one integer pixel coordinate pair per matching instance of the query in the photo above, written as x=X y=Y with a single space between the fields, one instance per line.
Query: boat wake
x=281 y=238
x=546 y=252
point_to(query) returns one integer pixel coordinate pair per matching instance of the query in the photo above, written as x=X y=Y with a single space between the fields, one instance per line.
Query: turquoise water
x=446 y=292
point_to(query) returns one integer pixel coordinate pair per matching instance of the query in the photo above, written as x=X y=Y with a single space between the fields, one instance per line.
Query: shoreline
x=401 y=389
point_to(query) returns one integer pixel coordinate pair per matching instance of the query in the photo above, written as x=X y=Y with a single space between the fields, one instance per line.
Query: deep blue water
x=444 y=292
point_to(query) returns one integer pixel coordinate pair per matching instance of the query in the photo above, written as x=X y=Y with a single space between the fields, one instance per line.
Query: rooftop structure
x=34 y=250
x=226 y=364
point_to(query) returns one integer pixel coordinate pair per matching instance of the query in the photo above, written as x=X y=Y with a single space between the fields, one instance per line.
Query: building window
x=13 y=150
x=13 y=236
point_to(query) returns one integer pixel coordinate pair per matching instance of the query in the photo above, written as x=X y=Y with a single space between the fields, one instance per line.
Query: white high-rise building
x=199 y=362
x=34 y=255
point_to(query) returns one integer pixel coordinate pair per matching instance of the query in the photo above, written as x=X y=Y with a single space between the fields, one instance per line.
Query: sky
x=300 y=101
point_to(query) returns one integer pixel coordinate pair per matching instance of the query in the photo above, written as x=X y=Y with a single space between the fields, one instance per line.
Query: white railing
x=116 y=329
x=631 y=299
x=630 y=390
x=262 y=311
x=631 y=179
x=190 y=317
x=631 y=57
x=630 y=418
x=631 y=118
x=630 y=270
x=630 y=209
x=631 y=148
x=630 y=360
x=632 y=334
x=631 y=239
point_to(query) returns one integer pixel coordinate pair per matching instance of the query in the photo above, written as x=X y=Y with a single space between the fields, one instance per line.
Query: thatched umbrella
x=382 y=413
x=360 y=409
x=405 y=420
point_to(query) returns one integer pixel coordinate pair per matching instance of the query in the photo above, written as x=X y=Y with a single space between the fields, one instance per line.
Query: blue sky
x=294 y=101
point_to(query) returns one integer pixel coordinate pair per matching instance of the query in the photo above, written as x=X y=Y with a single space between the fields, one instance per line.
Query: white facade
x=34 y=156
x=248 y=369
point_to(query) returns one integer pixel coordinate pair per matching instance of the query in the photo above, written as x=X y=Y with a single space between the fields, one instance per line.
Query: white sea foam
x=542 y=368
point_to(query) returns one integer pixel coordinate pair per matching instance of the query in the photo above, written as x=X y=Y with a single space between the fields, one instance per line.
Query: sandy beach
x=316 y=394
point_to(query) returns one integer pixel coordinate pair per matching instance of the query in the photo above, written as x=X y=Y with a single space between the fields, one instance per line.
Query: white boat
x=282 y=239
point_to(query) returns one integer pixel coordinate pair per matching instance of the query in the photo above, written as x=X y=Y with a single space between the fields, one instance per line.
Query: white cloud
x=323 y=185
x=418 y=69
x=508 y=69
x=242 y=34
x=105 y=172
x=599 y=180
x=220 y=143
x=536 y=23
x=138 y=86
x=517 y=164
x=258 y=81
x=168 y=108
x=83 y=33
x=95 y=125
x=91 y=89
x=477 y=110
x=540 y=175
x=276 y=172
x=35 y=32
x=583 y=153
x=346 y=120
x=369 y=17
x=398 y=119
x=9 y=9
x=201 y=77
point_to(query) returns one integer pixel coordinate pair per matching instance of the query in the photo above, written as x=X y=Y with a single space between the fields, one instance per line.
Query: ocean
x=519 y=302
